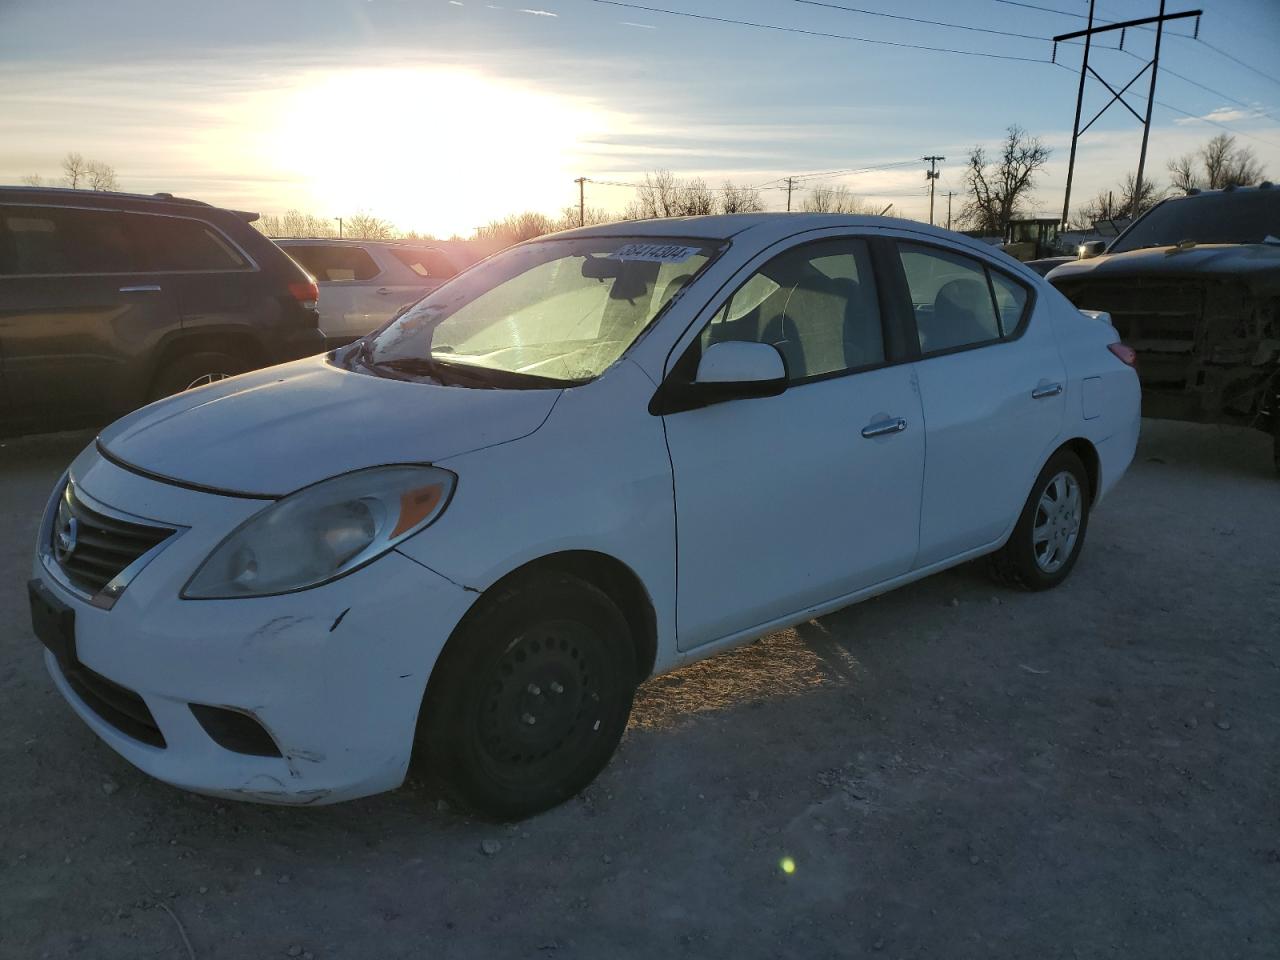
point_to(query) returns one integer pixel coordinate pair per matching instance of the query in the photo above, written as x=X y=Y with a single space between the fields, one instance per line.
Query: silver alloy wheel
x=1057 y=524
x=207 y=378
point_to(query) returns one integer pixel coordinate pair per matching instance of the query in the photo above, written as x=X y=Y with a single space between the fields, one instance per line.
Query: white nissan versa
x=591 y=458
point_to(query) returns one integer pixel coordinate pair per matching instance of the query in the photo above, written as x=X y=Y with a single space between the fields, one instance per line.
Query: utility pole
x=582 y=200
x=949 y=196
x=789 y=185
x=339 y=219
x=1153 y=65
x=932 y=176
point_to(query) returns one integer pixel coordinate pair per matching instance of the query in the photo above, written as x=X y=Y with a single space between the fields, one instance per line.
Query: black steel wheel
x=530 y=697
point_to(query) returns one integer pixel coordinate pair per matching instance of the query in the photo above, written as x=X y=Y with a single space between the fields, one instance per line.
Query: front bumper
x=335 y=675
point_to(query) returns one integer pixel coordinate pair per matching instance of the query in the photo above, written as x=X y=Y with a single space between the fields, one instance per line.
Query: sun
x=438 y=150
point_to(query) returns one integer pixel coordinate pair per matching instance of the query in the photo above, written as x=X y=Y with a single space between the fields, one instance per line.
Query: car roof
x=766 y=228
x=353 y=241
x=108 y=199
x=1196 y=193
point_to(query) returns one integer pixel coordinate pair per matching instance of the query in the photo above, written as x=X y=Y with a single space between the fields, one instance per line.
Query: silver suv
x=363 y=283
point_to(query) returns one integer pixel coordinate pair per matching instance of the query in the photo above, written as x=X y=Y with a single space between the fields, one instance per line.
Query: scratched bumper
x=334 y=674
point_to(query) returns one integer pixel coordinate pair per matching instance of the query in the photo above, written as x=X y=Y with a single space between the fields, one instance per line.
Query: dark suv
x=1193 y=286
x=111 y=300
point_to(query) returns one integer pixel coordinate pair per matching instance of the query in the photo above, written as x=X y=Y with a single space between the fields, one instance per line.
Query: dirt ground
x=952 y=770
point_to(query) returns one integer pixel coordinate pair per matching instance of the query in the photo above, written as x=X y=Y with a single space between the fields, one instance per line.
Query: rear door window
x=44 y=241
x=958 y=301
x=330 y=263
x=426 y=263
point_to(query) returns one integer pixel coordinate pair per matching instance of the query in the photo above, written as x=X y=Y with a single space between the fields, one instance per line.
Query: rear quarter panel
x=1103 y=403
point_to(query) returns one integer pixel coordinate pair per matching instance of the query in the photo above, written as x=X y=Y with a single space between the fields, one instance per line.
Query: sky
x=441 y=115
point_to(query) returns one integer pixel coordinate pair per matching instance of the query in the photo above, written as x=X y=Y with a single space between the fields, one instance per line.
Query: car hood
x=1233 y=259
x=270 y=432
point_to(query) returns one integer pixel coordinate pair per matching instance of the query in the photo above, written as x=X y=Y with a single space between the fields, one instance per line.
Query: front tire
x=530 y=698
x=1049 y=534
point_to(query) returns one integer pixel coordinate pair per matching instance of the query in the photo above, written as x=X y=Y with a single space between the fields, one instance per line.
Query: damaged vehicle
x=467 y=537
x=1194 y=287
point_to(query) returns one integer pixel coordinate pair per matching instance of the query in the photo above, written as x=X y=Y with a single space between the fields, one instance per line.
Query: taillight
x=1125 y=353
x=305 y=293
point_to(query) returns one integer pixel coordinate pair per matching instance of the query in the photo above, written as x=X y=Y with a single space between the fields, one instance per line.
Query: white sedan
x=592 y=458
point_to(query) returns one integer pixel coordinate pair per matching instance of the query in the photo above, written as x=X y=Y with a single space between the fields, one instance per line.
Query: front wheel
x=1049 y=534
x=531 y=697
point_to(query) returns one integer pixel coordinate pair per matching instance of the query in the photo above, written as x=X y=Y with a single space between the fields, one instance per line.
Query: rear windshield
x=1245 y=216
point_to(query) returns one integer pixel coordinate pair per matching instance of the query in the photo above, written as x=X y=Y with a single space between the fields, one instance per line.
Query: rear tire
x=194 y=370
x=1049 y=534
x=530 y=698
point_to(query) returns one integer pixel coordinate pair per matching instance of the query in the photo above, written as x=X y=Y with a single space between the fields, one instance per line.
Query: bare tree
x=568 y=218
x=997 y=191
x=838 y=198
x=515 y=229
x=101 y=176
x=32 y=180
x=664 y=195
x=735 y=199
x=1224 y=165
x=1118 y=202
x=74 y=170
x=658 y=196
x=365 y=226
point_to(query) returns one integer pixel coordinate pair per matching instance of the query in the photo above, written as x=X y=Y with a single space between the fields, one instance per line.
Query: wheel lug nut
x=535 y=689
x=529 y=718
x=555 y=687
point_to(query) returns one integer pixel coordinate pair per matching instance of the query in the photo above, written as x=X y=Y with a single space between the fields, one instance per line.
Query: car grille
x=103 y=546
x=1152 y=316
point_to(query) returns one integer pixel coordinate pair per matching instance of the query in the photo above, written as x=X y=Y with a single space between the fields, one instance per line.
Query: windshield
x=1246 y=216
x=540 y=314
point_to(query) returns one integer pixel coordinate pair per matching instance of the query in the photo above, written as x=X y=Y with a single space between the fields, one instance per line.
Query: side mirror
x=1094 y=248
x=736 y=368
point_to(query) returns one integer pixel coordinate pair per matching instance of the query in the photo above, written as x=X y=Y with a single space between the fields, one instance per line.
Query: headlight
x=322 y=532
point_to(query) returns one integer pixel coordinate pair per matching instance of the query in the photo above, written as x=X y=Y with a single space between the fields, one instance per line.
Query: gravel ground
x=949 y=771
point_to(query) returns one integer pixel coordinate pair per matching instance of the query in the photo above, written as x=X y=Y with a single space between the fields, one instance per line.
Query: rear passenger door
x=80 y=313
x=993 y=386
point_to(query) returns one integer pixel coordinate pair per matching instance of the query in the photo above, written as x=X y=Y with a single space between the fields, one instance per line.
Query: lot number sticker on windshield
x=654 y=252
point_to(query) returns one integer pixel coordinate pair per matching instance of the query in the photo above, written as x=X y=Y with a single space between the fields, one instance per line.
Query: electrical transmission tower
x=1153 y=65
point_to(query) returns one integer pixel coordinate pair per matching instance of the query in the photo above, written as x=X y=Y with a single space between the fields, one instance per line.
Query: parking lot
x=952 y=770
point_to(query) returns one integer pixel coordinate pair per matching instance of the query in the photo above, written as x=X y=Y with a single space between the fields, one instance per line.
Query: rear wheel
x=531 y=697
x=1048 y=537
x=195 y=370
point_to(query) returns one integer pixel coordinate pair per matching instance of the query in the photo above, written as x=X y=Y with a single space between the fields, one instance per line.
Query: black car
x=111 y=300
x=1193 y=286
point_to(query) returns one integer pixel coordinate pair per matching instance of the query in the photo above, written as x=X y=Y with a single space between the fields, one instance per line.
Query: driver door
x=786 y=503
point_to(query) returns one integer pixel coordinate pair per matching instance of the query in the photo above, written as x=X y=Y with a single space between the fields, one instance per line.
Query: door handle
x=884 y=427
x=143 y=288
x=1045 y=391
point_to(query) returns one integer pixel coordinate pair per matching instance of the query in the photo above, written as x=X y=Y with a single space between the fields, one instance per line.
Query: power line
x=817 y=33
x=1236 y=59
x=935 y=23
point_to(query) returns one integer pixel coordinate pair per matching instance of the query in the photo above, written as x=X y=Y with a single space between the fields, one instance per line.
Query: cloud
x=537 y=13
x=1220 y=115
x=640 y=26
